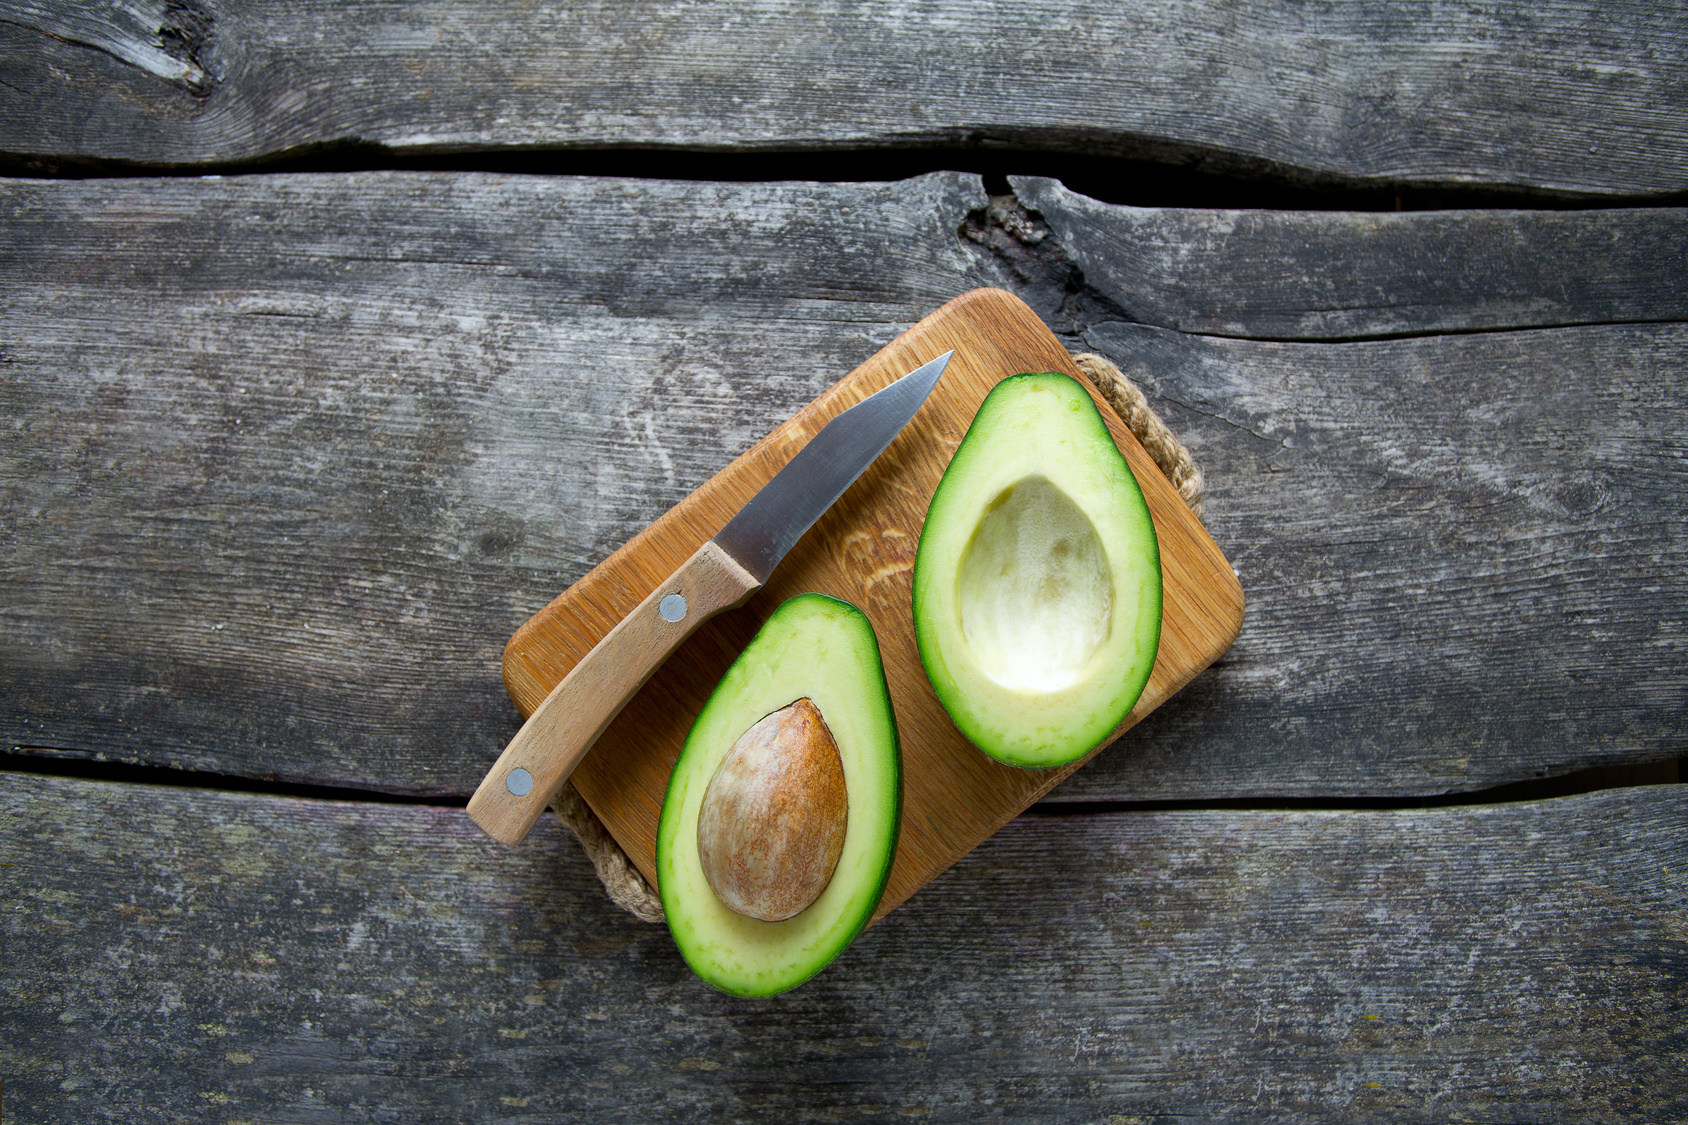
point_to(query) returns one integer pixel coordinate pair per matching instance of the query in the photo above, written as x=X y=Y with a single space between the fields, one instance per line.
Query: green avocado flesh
x=823 y=649
x=1037 y=586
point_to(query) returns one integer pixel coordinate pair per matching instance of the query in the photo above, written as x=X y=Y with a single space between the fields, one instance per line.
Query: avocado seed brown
x=772 y=823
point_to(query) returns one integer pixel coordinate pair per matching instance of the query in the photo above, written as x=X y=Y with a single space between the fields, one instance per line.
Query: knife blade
x=721 y=575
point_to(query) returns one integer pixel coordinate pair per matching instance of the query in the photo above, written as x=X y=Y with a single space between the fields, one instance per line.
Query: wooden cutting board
x=863 y=551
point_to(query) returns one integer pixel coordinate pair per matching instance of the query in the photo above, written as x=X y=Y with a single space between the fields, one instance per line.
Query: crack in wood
x=1042 y=272
x=65 y=762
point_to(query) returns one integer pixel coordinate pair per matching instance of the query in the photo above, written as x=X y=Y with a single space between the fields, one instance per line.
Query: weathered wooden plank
x=288 y=458
x=1569 y=97
x=179 y=955
x=1459 y=552
x=1327 y=275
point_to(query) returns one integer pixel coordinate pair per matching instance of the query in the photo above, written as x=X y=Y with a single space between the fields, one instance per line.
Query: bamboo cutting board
x=863 y=551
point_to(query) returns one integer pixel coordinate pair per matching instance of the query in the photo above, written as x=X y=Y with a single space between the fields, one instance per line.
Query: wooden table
x=337 y=339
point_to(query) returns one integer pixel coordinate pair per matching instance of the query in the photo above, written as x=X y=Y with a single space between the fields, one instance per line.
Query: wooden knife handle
x=561 y=729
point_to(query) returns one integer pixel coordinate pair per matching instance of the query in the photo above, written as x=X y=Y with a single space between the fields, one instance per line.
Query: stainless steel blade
x=776 y=517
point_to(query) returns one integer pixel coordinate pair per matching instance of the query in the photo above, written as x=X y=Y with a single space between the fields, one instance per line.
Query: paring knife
x=722 y=575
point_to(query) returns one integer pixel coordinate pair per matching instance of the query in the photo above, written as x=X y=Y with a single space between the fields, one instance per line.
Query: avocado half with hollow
x=782 y=813
x=1037 y=585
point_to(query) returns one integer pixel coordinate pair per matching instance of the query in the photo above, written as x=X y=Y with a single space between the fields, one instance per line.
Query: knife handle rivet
x=672 y=608
x=519 y=782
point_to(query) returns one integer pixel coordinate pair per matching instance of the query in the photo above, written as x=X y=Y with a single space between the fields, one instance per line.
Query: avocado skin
x=1038 y=426
x=744 y=956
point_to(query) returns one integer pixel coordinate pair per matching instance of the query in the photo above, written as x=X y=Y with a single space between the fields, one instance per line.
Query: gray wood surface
x=1568 y=97
x=288 y=458
x=291 y=458
x=1336 y=275
x=285 y=458
x=185 y=955
x=1463 y=557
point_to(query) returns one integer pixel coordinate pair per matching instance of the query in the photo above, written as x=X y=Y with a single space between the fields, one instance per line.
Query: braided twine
x=627 y=887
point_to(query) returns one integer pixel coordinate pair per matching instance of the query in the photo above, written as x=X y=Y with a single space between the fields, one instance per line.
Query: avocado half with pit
x=781 y=817
x=1037 y=584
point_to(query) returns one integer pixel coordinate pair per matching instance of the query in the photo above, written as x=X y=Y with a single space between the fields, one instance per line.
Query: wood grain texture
x=862 y=551
x=1329 y=275
x=288 y=458
x=1464 y=548
x=1571 y=97
x=182 y=955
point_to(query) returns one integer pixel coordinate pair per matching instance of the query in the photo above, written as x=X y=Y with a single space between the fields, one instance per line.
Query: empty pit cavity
x=1035 y=593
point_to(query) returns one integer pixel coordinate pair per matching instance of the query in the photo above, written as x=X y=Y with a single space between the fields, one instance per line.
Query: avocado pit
x=772 y=822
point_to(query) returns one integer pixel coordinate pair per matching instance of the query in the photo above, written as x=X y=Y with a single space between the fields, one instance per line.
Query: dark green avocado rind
x=972 y=456
x=676 y=831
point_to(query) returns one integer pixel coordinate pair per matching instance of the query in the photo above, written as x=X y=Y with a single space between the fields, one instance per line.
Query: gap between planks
x=59 y=762
x=1115 y=180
